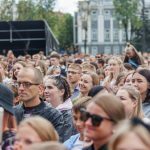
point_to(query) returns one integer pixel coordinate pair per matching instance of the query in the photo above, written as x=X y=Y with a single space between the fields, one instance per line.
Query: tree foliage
x=6 y=10
x=127 y=11
x=142 y=35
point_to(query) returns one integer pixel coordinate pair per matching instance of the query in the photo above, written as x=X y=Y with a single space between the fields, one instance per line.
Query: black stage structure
x=27 y=37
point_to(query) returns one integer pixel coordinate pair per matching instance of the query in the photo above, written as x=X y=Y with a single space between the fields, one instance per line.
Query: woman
x=131 y=134
x=132 y=56
x=16 y=68
x=131 y=99
x=34 y=130
x=128 y=78
x=100 y=118
x=87 y=81
x=119 y=82
x=141 y=80
x=57 y=93
x=115 y=67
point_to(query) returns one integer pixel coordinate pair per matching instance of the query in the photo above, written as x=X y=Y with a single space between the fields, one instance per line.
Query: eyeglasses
x=96 y=119
x=25 y=84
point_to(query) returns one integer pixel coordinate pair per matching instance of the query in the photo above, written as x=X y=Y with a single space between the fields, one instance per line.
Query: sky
x=69 y=6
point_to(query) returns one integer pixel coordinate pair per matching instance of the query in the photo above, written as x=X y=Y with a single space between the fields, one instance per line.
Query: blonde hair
x=126 y=127
x=75 y=66
x=111 y=105
x=121 y=68
x=95 y=78
x=87 y=67
x=119 y=61
x=135 y=96
x=47 y=146
x=42 y=127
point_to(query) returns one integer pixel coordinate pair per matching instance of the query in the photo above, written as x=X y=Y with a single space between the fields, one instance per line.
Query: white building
x=104 y=33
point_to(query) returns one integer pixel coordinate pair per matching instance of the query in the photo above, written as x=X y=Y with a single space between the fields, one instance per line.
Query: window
x=107 y=24
x=94 y=14
x=94 y=35
x=115 y=24
x=107 y=35
x=107 y=13
x=94 y=24
x=123 y=35
x=115 y=35
x=116 y=50
x=107 y=50
x=94 y=50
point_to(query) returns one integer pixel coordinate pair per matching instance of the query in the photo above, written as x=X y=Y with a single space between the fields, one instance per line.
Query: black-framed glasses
x=96 y=119
x=25 y=84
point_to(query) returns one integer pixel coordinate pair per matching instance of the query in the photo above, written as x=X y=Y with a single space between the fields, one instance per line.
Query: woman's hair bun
x=128 y=44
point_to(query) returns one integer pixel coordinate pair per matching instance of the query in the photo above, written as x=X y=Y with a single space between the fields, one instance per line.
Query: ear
x=62 y=91
x=41 y=89
x=134 y=103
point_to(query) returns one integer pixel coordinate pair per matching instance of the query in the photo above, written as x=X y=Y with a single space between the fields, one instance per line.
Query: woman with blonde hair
x=34 y=130
x=87 y=81
x=131 y=134
x=115 y=67
x=100 y=117
x=131 y=99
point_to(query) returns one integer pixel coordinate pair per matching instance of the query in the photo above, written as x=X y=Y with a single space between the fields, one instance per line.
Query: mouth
x=46 y=96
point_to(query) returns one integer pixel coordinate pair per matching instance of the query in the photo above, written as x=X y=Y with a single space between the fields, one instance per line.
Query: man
x=73 y=76
x=29 y=89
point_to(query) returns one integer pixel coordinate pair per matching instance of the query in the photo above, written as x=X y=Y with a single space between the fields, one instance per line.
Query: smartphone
x=1 y=123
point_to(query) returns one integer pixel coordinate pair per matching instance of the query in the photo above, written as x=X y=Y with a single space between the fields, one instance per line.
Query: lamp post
x=84 y=10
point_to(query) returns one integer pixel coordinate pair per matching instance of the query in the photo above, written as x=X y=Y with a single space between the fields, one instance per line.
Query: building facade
x=103 y=32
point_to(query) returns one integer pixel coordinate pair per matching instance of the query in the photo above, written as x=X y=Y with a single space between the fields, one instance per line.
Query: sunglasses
x=96 y=119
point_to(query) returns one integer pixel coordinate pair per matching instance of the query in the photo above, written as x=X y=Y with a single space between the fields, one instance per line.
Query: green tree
x=127 y=11
x=6 y=10
x=142 y=35
x=26 y=10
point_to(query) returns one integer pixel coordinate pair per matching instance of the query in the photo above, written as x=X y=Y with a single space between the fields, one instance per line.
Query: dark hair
x=78 y=61
x=101 y=61
x=128 y=66
x=94 y=64
x=62 y=83
x=146 y=74
x=95 y=90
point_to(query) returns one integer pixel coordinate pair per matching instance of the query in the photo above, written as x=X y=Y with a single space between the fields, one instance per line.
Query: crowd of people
x=75 y=102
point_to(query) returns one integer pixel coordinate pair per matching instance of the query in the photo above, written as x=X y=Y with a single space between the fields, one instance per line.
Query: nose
x=78 y=122
x=134 y=84
x=20 y=87
x=88 y=122
x=45 y=90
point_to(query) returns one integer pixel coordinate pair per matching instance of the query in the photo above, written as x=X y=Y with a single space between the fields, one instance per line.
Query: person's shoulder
x=68 y=143
x=50 y=110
